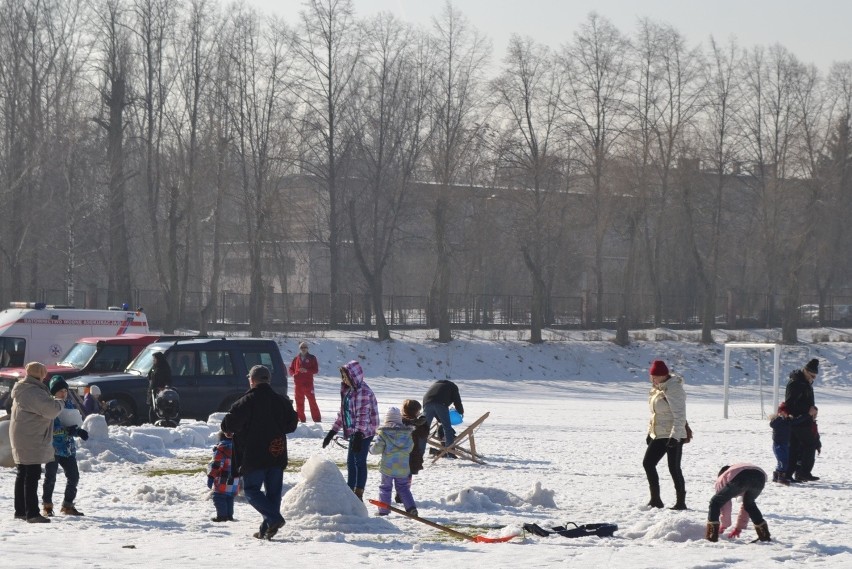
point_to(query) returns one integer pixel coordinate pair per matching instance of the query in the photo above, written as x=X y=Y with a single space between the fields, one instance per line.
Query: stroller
x=167 y=408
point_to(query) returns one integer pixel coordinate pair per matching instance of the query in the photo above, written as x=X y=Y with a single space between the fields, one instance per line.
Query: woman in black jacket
x=159 y=378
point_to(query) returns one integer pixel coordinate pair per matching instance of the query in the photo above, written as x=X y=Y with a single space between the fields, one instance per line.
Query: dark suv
x=209 y=375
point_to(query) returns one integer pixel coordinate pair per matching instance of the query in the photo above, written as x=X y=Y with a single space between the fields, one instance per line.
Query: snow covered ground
x=564 y=443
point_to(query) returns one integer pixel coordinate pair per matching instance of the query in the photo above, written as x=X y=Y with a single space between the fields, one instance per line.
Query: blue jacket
x=63 y=441
x=782 y=428
x=394 y=443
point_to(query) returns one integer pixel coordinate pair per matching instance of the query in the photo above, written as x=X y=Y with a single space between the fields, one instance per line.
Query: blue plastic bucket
x=455 y=417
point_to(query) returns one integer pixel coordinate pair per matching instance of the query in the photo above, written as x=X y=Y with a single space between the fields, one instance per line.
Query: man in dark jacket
x=260 y=421
x=436 y=404
x=799 y=401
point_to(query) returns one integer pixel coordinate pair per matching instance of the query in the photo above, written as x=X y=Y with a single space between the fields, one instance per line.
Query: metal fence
x=307 y=310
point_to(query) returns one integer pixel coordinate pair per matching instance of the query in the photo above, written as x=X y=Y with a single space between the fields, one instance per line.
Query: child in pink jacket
x=746 y=480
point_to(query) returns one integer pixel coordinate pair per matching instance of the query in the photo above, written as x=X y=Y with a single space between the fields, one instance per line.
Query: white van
x=33 y=331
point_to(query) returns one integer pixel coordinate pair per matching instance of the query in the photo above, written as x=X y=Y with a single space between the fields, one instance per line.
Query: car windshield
x=79 y=355
x=143 y=363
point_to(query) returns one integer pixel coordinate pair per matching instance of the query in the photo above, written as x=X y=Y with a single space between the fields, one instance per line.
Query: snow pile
x=672 y=527
x=323 y=501
x=479 y=499
x=169 y=495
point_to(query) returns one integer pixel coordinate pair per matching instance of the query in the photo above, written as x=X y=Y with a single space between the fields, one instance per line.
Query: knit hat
x=57 y=384
x=36 y=370
x=303 y=345
x=813 y=366
x=95 y=391
x=393 y=416
x=658 y=367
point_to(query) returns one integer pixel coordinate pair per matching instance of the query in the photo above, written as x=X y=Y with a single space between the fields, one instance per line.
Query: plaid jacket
x=220 y=471
x=359 y=411
x=394 y=443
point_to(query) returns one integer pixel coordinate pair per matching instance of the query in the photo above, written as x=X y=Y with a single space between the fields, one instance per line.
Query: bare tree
x=528 y=92
x=597 y=72
x=773 y=124
x=329 y=49
x=457 y=123
x=114 y=66
x=390 y=140
x=259 y=112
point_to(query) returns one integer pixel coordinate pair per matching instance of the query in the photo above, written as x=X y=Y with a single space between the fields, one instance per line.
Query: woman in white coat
x=31 y=435
x=666 y=432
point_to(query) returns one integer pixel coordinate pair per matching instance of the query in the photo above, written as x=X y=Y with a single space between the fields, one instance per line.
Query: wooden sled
x=464 y=445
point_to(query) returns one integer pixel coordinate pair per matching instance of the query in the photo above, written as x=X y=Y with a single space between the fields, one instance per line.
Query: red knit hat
x=658 y=367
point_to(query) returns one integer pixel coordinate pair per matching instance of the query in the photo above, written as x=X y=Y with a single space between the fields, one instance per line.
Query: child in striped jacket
x=394 y=442
x=221 y=478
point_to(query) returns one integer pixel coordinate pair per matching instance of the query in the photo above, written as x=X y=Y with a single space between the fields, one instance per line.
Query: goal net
x=752 y=379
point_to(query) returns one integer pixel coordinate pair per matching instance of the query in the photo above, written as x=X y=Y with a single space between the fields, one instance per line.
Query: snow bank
x=483 y=499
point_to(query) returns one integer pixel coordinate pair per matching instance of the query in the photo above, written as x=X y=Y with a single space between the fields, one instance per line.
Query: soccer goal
x=752 y=390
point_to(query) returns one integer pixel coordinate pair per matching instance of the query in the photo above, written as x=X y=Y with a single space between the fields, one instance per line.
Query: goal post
x=776 y=372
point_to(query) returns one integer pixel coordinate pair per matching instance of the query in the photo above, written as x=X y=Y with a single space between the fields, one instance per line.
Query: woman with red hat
x=666 y=432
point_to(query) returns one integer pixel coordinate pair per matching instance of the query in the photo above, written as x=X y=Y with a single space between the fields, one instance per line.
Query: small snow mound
x=538 y=496
x=215 y=419
x=146 y=442
x=97 y=428
x=323 y=501
x=479 y=498
x=169 y=496
x=306 y=431
x=674 y=528
x=5 y=446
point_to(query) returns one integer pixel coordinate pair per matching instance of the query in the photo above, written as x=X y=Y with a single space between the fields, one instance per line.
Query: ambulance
x=33 y=331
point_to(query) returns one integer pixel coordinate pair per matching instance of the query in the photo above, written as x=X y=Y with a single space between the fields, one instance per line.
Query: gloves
x=83 y=434
x=328 y=438
x=648 y=440
x=210 y=482
x=735 y=533
x=357 y=441
x=72 y=430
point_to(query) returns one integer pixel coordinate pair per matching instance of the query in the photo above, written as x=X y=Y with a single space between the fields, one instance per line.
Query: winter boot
x=413 y=512
x=359 y=492
x=775 y=476
x=655 y=501
x=783 y=479
x=70 y=510
x=681 y=502
x=397 y=498
x=712 y=533
x=762 y=531
x=48 y=510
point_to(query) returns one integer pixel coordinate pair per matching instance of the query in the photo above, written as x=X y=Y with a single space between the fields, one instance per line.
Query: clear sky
x=817 y=31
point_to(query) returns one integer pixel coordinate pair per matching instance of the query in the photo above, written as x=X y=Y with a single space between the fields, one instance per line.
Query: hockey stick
x=449 y=530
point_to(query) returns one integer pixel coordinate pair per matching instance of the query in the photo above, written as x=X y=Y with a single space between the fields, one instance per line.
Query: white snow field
x=564 y=443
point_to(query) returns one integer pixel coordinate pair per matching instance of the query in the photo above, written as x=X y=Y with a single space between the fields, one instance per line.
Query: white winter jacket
x=668 y=409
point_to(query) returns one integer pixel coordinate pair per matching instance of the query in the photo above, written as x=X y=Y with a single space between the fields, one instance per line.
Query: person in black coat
x=799 y=402
x=159 y=378
x=436 y=405
x=259 y=422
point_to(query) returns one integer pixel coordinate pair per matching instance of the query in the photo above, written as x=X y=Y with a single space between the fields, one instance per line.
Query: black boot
x=655 y=501
x=680 y=504
x=712 y=531
x=762 y=531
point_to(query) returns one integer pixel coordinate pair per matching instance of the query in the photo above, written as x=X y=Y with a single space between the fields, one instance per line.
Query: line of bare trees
x=147 y=142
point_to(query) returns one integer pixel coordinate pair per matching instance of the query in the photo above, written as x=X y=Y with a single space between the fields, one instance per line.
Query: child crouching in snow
x=746 y=480
x=220 y=477
x=394 y=442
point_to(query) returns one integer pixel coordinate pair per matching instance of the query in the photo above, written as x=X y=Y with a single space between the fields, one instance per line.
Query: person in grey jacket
x=666 y=432
x=31 y=435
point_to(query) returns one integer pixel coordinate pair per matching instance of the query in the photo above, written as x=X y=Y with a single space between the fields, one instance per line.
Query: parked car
x=98 y=355
x=209 y=374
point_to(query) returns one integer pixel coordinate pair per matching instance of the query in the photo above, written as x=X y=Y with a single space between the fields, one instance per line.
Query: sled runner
x=600 y=530
x=449 y=530
x=458 y=447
